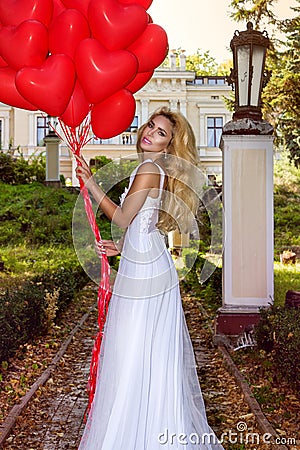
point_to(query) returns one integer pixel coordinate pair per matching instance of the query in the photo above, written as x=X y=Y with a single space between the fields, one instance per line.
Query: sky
x=204 y=24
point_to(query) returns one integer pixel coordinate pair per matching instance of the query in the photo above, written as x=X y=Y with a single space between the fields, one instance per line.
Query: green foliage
x=36 y=215
x=281 y=96
x=286 y=204
x=286 y=277
x=202 y=63
x=278 y=332
x=17 y=170
x=210 y=291
x=113 y=176
x=23 y=311
x=257 y=11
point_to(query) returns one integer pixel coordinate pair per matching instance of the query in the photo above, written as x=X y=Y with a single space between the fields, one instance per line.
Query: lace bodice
x=147 y=217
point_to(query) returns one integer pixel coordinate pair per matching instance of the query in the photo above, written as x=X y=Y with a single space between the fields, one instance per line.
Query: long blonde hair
x=180 y=199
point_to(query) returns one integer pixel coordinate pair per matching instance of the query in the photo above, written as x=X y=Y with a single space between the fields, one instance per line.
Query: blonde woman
x=147 y=395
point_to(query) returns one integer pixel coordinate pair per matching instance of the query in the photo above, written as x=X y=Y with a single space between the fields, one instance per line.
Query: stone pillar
x=182 y=59
x=173 y=104
x=172 y=61
x=144 y=111
x=183 y=105
x=247 y=227
x=52 y=159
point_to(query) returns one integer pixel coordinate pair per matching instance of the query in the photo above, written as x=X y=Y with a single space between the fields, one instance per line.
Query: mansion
x=200 y=99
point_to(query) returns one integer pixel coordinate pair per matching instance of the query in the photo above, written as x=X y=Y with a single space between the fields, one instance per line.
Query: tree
x=201 y=62
x=281 y=96
x=257 y=11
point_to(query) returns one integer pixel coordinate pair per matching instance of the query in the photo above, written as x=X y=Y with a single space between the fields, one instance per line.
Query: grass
x=286 y=277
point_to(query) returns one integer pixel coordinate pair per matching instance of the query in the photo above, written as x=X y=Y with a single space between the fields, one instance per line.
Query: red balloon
x=144 y=3
x=8 y=91
x=77 y=108
x=3 y=63
x=102 y=73
x=150 y=48
x=116 y=26
x=81 y=5
x=67 y=31
x=114 y=115
x=13 y=12
x=50 y=86
x=139 y=81
x=24 y=45
x=58 y=8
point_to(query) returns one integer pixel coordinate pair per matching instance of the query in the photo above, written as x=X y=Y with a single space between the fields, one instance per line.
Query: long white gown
x=148 y=395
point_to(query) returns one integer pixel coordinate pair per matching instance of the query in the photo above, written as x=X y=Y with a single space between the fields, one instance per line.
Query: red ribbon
x=77 y=138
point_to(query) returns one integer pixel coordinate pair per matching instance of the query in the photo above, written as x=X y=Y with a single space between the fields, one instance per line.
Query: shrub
x=26 y=312
x=211 y=290
x=278 y=333
x=18 y=170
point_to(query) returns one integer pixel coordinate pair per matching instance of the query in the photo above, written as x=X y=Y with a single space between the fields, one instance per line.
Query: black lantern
x=248 y=75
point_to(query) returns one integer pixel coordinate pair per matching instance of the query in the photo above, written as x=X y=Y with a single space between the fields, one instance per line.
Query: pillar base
x=54 y=184
x=234 y=321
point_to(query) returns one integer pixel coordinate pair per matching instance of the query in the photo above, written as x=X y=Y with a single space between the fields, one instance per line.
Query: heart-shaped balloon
x=139 y=81
x=102 y=73
x=67 y=31
x=58 y=8
x=8 y=91
x=50 y=86
x=13 y=12
x=80 y=5
x=150 y=48
x=24 y=45
x=77 y=108
x=114 y=25
x=144 y=3
x=3 y=63
x=114 y=115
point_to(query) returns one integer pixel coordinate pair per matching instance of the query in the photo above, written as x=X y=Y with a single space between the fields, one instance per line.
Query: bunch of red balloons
x=67 y=57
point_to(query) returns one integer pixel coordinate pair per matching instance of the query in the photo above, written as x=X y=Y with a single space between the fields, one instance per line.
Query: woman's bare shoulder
x=148 y=167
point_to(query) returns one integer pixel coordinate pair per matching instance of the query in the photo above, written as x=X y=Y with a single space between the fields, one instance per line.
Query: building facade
x=200 y=99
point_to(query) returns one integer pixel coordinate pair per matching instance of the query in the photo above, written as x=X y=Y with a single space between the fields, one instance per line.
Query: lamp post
x=247 y=145
x=248 y=76
x=52 y=141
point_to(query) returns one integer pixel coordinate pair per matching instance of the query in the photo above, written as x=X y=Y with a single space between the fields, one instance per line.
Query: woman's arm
x=147 y=178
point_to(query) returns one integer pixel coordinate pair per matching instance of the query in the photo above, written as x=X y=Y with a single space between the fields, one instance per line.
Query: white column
x=52 y=157
x=183 y=104
x=144 y=111
x=248 y=223
x=173 y=104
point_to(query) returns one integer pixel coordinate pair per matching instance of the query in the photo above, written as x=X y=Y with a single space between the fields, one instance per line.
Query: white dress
x=148 y=395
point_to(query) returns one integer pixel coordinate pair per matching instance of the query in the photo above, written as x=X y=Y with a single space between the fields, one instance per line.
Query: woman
x=147 y=395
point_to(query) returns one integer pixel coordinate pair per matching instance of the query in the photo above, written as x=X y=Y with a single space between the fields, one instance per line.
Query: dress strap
x=162 y=172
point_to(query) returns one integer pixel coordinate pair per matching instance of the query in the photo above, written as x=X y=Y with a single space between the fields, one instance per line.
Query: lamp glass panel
x=243 y=58
x=257 y=62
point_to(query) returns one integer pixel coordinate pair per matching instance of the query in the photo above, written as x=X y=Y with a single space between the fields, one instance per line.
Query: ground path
x=54 y=419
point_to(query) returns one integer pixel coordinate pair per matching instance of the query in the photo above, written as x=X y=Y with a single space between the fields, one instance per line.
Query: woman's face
x=156 y=135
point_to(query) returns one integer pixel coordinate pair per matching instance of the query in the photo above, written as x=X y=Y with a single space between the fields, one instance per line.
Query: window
x=220 y=81
x=41 y=130
x=214 y=131
x=134 y=126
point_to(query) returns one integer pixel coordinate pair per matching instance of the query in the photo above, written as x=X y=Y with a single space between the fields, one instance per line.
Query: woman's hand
x=111 y=248
x=83 y=171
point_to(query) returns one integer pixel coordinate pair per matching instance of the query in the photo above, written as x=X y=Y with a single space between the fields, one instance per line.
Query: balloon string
x=76 y=139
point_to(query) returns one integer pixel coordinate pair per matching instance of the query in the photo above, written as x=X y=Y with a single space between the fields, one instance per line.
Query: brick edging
x=10 y=421
x=263 y=423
